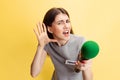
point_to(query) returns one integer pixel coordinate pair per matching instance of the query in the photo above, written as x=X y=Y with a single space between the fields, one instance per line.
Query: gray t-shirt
x=59 y=54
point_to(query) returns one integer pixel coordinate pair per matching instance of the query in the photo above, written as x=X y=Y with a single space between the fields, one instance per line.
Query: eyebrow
x=62 y=20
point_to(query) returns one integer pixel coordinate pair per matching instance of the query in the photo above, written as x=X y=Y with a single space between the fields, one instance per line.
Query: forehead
x=61 y=16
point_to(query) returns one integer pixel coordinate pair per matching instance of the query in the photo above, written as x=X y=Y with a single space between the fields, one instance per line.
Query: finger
x=83 y=65
x=36 y=33
x=83 y=61
x=38 y=28
x=41 y=27
x=44 y=28
x=77 y=63
x=87 y=61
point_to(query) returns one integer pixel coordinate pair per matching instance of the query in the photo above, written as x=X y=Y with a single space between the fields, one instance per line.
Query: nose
x=66 y=25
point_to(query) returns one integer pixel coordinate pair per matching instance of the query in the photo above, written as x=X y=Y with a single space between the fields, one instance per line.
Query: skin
x=60 y=25
x=60 y=30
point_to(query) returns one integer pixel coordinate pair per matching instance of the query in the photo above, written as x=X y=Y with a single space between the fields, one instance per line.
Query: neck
x=62 y=42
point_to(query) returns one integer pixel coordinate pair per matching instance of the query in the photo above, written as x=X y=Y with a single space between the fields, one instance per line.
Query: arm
x=85 y=67
x=42 y=37
x=87 y=70
x=38 y=61
x=87 y=74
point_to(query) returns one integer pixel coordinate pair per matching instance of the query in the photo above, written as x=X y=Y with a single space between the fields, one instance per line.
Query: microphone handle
x=78 y=70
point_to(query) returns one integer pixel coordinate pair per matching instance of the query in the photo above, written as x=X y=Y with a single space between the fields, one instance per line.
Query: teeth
x=66 y=32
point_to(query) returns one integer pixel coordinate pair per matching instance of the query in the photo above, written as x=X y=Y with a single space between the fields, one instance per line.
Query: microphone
x=89 y=50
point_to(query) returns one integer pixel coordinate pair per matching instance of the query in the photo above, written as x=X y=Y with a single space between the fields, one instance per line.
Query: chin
x=67 y=38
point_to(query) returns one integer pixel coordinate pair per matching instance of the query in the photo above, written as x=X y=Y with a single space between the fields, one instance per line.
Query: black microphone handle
x=76 y=69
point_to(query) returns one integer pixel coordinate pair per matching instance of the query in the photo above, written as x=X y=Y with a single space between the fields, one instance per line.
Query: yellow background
x=97 y=20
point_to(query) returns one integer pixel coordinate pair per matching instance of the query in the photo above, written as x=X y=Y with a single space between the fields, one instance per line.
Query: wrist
x=87 y=74
x=86 y=70
x=39 y=46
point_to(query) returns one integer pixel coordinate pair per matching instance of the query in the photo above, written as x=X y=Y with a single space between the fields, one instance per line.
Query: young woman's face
x=61 y=27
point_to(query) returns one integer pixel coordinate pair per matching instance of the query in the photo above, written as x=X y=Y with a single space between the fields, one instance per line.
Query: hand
x=84 y=65
x=41 y=34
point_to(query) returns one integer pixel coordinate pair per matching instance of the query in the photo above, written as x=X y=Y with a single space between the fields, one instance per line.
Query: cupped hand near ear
x=41 y=34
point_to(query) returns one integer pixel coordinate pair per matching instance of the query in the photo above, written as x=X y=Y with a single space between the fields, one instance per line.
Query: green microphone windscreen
x=90 y=49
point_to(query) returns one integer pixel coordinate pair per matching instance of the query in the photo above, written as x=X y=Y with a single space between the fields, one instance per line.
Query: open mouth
x=66 y=32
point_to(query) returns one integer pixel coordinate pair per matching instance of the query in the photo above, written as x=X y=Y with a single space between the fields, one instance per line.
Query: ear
x=49 y=29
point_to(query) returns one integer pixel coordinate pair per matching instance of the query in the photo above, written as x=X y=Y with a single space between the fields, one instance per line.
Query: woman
x=55 y=38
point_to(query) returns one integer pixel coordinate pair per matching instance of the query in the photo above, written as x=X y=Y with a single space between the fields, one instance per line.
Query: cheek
x=70 y=26
x=57 y=30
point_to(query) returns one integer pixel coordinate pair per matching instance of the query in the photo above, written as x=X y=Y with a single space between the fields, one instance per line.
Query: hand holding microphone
x=84 y=65
x=89 y=50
